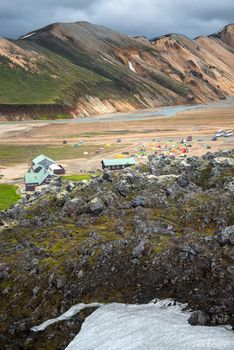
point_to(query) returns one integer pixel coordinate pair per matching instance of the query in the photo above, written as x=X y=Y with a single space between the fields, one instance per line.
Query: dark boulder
x=198 y=318
x=226 y=236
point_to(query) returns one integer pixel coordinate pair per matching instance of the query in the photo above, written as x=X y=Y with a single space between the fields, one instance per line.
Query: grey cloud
x=134 y=17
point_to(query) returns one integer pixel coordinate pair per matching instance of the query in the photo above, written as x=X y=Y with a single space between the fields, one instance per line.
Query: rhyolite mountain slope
x=226 y=35
x=84 y=69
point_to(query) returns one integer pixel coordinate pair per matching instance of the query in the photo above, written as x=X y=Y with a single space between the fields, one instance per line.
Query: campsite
x=81 y=146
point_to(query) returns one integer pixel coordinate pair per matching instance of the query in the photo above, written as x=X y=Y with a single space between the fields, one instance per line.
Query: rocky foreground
x=165 y=231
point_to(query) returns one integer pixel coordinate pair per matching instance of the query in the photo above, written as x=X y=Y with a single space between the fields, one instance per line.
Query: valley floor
x=19 y=142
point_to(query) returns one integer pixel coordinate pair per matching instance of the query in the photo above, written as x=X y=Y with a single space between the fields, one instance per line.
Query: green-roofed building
x=47 y=163
x=42 y=160
x=42 y=170
x=33 y=179
x=118 y=163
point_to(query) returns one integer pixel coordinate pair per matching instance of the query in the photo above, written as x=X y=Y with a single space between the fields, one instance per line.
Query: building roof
x=43 y=160
x=54 y=167
x=121 y=161
x=36 y=178
x=36 y=167
x=42 y=168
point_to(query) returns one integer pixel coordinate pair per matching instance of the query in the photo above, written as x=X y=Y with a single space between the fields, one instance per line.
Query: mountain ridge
x=89 y=69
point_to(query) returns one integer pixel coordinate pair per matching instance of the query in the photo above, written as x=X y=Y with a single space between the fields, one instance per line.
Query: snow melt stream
x=64 y=317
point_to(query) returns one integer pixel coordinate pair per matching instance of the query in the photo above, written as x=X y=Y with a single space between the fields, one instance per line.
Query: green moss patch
x=15 y=154
x=8 y=196
x=78 y=177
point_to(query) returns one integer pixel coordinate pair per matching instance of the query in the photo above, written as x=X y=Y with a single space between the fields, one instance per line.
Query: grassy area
x=171 y=84
x=8 y=196
x=53 y=81
x=78 y=177
x=15 y=154
x=91 y=134
x=58 y=116
x=18 y=86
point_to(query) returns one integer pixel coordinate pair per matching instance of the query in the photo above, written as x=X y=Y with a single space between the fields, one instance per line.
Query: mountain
x=84 y=69
x=226 y=35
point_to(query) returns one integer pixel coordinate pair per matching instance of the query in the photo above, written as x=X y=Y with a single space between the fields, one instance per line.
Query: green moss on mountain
x=55 y=81
x=62 y=63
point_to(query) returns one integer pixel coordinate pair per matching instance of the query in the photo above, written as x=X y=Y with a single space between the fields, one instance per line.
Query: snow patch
x=27 y=36
x=163 y=325
x=220 y=30
x=130 y=65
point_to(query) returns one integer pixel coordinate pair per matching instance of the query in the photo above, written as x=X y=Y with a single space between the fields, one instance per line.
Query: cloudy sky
x=134 y=17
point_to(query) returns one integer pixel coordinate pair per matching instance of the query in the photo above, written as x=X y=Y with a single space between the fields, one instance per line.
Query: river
x=168 y=111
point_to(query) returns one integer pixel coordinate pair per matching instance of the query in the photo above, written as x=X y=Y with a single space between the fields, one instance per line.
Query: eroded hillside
x=87 y=69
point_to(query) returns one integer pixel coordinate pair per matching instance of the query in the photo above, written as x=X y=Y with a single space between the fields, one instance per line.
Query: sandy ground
x=200 y=123
x=13 y=174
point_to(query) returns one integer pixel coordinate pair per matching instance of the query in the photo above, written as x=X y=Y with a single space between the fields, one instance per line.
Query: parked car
x=189 y=138
x=214 y=138
x=228 y=133
x=219 y=133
